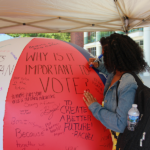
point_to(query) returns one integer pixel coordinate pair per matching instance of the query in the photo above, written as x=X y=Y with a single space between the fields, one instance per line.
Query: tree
x=59 y=36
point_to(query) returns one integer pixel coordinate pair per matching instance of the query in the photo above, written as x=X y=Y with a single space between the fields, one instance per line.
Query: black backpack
x=140 y=138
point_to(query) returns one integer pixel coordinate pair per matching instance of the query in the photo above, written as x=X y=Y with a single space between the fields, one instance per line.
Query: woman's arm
x=102 y=68
x=116 y=121
x=98 y=65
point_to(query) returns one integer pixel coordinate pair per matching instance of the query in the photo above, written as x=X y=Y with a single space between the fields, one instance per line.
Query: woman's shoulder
x=127 y=80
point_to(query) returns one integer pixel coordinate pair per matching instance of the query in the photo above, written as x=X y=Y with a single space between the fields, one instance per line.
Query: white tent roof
x=44 y=16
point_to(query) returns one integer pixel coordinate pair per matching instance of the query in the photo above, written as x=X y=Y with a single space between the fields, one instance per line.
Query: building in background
x=141 y=36
x=77 y=38
x=91 y=39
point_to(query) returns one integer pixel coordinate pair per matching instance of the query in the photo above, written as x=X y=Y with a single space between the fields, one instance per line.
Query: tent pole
x=126 y=32
x=42 y=20
x=11 y=21
x=126 y=21
x=116 y=2
x=140 y=22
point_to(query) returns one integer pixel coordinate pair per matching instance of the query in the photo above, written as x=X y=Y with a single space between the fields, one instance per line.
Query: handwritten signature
x=50 y=110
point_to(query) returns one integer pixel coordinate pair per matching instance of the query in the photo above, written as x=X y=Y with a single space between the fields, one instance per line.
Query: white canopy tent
x=47 y=16
x=53 y=16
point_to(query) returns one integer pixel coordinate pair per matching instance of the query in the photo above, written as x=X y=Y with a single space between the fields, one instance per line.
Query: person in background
x=121 y=55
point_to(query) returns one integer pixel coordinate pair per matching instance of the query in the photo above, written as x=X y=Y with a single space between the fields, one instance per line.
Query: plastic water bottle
x=133 y=117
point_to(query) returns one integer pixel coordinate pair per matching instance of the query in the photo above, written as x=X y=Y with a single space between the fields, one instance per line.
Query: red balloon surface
x=44 y=106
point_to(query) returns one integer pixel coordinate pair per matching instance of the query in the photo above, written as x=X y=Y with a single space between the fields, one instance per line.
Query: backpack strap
x=139 y=82
x=122 y=141
x=117 y=91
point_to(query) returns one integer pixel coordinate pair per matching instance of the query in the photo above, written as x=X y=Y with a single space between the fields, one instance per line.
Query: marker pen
x=96 y=60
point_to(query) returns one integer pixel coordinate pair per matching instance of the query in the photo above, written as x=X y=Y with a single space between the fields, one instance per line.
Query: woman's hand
x=89 y=98
x=91 y=62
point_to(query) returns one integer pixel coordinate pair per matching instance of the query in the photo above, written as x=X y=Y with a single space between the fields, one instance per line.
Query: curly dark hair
x=123 y=54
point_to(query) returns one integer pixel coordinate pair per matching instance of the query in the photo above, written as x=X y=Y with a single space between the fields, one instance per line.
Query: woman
x=120 y=54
